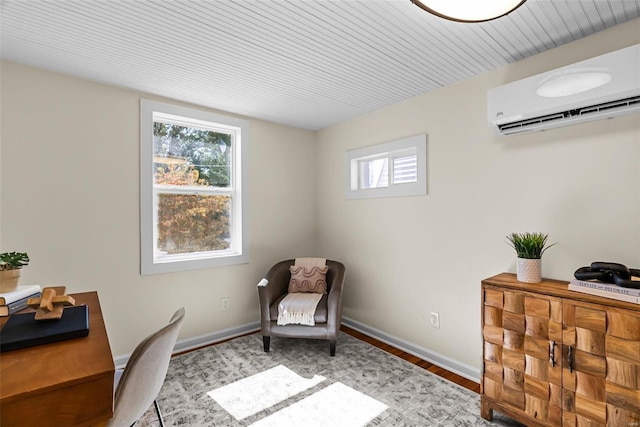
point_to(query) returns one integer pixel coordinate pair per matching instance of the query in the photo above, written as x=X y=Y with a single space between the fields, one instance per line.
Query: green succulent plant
x=13 y=260
x=529 y=245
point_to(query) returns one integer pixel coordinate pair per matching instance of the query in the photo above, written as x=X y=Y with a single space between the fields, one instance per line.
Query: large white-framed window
x=192 y=192
x=396 y=168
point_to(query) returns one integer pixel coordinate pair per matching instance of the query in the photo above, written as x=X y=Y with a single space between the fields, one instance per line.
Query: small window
x=191 y=189
x=396 y=168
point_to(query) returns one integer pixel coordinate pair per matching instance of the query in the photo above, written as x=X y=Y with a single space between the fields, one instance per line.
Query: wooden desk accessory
x=51 y=303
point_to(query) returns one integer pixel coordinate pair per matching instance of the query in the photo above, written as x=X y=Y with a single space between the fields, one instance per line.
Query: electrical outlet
x=435 y=320
x=225 y=303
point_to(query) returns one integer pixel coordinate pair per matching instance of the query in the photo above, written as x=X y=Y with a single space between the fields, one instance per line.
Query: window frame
x=238 y=253
x=390 y=151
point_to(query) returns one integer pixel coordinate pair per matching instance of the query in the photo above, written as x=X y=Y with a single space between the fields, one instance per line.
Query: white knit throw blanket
x=300 y=307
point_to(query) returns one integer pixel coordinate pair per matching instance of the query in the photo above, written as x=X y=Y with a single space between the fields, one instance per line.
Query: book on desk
x=22 y=330
x=15 y=306
x=20 y=292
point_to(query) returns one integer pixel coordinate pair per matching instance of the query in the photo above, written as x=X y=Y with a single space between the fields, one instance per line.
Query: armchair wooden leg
x=266 y=341
x=332 y=348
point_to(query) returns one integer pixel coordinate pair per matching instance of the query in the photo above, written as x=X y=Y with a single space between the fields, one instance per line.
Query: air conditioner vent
x=522 y=125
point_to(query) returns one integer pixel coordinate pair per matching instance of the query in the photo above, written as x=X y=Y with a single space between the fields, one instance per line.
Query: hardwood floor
x=468 y=384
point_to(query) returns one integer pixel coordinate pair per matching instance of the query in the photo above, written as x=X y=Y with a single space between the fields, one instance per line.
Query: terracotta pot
x=9 y=280
x=529 y=270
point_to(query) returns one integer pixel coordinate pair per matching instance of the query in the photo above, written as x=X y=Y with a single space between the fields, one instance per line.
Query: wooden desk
x=67 y=383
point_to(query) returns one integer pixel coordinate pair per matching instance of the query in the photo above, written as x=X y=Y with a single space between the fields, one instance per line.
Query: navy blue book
x=22 y=330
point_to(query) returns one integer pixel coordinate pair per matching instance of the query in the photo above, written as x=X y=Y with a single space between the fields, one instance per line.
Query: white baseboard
x=452 y=365
x=441 y=360
x=200 y=341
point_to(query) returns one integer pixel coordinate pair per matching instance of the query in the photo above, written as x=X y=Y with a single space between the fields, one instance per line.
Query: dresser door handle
x=570 y=358
x=552 y=353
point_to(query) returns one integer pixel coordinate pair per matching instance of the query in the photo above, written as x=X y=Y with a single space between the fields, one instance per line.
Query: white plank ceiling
x=308 y=64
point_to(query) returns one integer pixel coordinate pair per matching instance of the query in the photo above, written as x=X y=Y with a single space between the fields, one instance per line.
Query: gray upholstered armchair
x=328 y=315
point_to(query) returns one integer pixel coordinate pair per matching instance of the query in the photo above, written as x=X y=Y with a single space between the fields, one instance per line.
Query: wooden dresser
x=554 y=357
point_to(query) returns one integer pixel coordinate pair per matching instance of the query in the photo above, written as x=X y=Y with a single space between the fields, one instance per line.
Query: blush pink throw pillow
x=308 y=279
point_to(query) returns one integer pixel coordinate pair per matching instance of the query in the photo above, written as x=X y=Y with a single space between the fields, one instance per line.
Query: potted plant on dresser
x=529 y=248
x=11 y=264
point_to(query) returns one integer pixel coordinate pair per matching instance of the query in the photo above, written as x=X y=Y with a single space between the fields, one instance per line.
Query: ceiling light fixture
x=469 y=10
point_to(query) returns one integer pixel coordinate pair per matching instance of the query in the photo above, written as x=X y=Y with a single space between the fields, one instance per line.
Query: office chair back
x=145 y=373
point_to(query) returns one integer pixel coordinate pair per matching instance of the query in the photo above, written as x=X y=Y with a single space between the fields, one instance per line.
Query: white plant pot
x=529 y=270
x=9 y=280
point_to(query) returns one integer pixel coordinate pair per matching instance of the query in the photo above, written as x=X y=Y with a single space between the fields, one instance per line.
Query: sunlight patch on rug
x=335 y=405
x=253 y=394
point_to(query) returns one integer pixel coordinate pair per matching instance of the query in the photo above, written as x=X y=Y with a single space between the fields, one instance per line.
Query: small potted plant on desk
x=529 y=248
x=11 y=264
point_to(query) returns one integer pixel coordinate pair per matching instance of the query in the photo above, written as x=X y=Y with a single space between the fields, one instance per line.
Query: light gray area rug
x=298 y=383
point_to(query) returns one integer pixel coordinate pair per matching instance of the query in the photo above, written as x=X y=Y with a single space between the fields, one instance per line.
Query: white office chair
x=138 y=385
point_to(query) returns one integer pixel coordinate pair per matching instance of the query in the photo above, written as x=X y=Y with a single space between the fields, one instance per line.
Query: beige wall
x=409 y=256
x=70 y=197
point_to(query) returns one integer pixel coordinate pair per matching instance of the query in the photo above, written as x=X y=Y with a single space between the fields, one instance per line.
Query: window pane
x=405 y=169
x=193 y=223
x=374 y=173
x=191 y=156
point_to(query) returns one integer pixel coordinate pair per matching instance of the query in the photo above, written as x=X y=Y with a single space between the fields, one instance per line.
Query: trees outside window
x=186 y=158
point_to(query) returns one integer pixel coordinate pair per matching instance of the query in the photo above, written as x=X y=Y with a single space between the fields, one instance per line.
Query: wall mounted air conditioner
x=598 y=88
